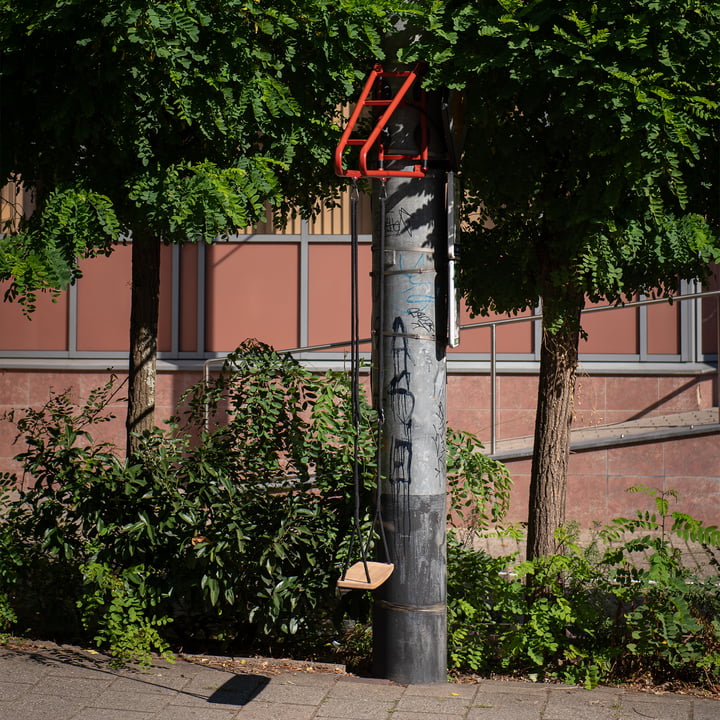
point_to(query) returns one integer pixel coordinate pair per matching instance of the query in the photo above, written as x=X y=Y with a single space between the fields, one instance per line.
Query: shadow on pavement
x=239 y=690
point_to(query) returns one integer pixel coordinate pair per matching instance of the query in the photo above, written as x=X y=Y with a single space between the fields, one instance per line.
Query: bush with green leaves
x=10 y=560
x=234 y=529
x=669 y=624
x=233 y=522
x=117 y=616
x=626 y=606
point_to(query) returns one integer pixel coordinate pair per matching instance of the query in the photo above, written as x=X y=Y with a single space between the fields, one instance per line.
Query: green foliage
x=11 y=560
x=626 y=607
x=671 y=611
x=44 y=255
x=479 y=487
x=234 y=522
x=110 y=608
x=591 y=152
x=181 y=118
x=235 y=530
x=356 y=648
x=477 y=594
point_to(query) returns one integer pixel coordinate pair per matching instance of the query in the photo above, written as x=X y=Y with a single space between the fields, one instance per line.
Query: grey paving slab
x=137 y=702
x=196 y=713
x=10 y=691
x=579 y=704
x=206 y=678
x=59 y=660
x=401 y=715
x=443 y=690
x=16 y=670
x=284 y=693
x=41 y=708
x=73 y=687
x=175 y=675
x=516 y=699
x=344 y=708
x=105 y=714
x=228 y=703
x=439 y=705
x=658 y=708
x=520 y=690
x=258 y=710
x=516 y=703
x=57 y=668
x=305 y=678
x=153 y=685
x=365 y=691
x=495 y=712
x=226 y=691
x=706 y=709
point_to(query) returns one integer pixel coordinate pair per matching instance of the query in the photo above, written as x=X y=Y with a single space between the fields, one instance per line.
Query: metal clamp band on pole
x=412 y=336
x=408 y=271
x=437 y=608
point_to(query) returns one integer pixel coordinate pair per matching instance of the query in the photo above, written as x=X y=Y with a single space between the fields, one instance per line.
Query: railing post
x=493 y=389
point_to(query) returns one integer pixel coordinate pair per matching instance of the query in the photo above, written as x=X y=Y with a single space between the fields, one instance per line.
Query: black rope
x=355 y=375
x=380 y=374
x=355 y=379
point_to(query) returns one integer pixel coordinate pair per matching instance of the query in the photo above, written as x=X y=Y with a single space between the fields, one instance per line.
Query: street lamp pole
x=410 y=271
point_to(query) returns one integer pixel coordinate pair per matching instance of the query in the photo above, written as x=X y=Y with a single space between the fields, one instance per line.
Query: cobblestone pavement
x=50 y=682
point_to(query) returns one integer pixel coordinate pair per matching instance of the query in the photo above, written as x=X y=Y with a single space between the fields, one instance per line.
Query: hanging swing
x=365 y=574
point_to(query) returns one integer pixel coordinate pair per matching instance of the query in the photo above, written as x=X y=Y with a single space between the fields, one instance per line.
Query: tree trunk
x=143 y=336
x=551 y=451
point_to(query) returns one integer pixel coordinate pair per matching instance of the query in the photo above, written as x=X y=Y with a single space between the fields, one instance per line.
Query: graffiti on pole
x=398 y=225
x=439 y=440
x=421 y=321
x=402 y=405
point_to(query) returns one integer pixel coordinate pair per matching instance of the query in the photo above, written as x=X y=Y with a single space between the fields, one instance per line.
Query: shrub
x=232 y=522
x=625 y=607
x=233 y=528
x=668 y=621
x=117 y=618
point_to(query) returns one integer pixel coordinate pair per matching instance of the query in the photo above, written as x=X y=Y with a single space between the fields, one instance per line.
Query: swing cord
x=355 y=379
x=380 y=373
x=355 y=375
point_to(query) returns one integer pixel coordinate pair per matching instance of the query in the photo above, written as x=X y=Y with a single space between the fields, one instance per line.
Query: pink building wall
x=598 y=479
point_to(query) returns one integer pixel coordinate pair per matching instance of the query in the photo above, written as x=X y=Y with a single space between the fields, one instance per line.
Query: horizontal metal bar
x=618 y=440
x=601 y=308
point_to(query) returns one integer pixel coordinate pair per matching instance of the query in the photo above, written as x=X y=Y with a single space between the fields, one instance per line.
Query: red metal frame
x=419 y=160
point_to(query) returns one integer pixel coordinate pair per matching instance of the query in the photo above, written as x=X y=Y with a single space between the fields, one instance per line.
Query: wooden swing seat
x=356 y=579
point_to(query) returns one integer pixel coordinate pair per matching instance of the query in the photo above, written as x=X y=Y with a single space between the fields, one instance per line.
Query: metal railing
x=494 y=324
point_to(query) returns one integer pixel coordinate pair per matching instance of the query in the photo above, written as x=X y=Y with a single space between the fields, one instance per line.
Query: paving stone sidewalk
x=49 y=682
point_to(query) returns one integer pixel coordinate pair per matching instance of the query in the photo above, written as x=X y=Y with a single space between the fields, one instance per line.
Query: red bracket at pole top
x=374 y=86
